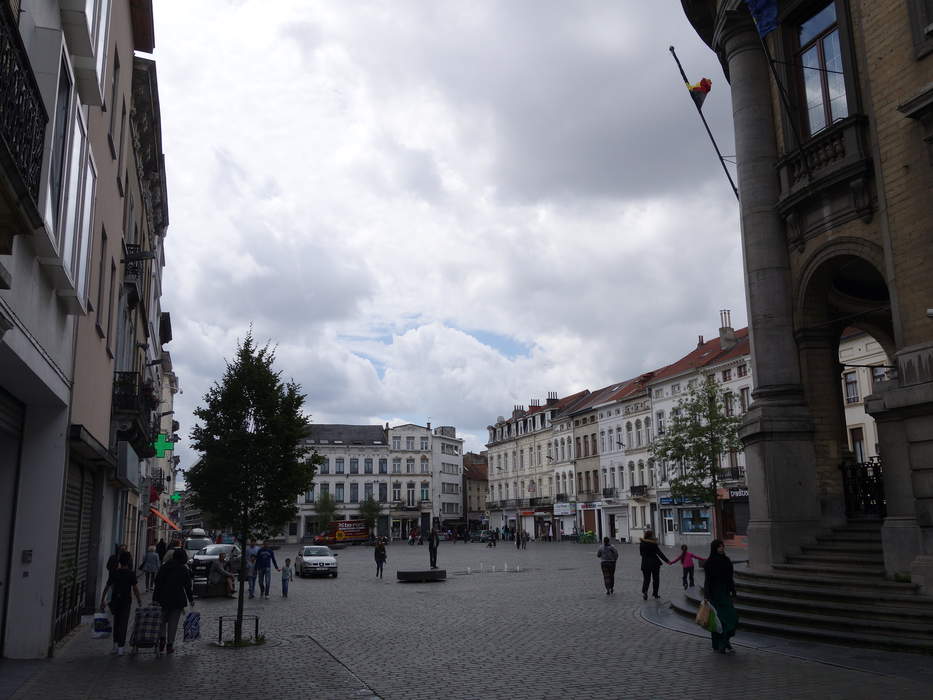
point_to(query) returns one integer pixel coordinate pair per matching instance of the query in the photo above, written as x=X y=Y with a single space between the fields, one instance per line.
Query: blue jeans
x=285 y=587
x=265 y=580
x=252 y=585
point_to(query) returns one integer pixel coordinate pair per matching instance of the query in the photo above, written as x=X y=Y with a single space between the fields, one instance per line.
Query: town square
x=439 y=349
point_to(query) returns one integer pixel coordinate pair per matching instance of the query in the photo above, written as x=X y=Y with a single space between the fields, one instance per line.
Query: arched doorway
x=842 y=295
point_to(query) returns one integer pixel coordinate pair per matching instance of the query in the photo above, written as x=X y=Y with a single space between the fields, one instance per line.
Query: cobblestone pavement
x=539 y=626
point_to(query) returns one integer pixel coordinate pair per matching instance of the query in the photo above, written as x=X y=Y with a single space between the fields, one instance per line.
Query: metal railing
x=863 y=487
x=639 y=491
x=22 y=115
x=610 y=492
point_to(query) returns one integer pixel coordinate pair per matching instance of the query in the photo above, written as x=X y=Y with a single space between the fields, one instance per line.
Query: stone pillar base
x=921 y=573
x=900 y=540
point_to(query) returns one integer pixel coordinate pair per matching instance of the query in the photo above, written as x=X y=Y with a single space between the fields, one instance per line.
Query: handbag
x=101 y=627
x=703 y=614
x=713 y=624
x=192 y=627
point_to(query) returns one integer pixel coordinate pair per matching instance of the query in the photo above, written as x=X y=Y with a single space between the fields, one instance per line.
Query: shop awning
x=159 y=515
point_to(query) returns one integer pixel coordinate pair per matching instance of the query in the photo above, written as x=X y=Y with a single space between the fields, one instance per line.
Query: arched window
x=631 y=473
x=410 y=465
x=638 y=436
x=424 y=465
x=647 y=430
x=651 y=472
x=628 y=436
x=641 y=472
x=602 y=440
x=425 y=491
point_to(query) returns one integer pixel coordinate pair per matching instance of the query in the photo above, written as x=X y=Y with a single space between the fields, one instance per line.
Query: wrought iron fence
x=22 y=115
x=863 y=486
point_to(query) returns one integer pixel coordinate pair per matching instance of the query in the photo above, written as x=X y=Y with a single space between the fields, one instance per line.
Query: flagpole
x=722 y=160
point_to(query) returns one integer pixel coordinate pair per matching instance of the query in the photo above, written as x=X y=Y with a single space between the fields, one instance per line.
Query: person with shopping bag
x=121 y=584
x=173 y=593
x=718 y=592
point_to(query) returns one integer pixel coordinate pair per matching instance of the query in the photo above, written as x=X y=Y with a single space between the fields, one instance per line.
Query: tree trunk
x=238 y=626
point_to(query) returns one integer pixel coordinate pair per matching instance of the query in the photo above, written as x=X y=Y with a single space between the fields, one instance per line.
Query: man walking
x=265 y=560
x=433 y=541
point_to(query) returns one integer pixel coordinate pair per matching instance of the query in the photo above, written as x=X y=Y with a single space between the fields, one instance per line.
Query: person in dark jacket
x=719 y=590
x=381 y=556
x=608 y=555
x=161 y=548
x=651 y=558
x=172 y=592
x=122 y=585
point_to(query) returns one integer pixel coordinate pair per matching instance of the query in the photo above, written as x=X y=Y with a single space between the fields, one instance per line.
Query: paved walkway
x=537 y=626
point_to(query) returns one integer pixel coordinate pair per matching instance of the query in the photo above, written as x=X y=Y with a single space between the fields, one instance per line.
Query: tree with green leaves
x=699 y=432
x=253 y=461
x=370 y=510
x=326 y=508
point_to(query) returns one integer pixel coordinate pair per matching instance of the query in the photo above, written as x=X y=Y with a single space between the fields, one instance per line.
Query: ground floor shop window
x=694 y=520
x=667 y=515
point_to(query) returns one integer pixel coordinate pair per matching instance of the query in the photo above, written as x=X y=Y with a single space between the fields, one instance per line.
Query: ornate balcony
x=22 y=117
x=639 y=492
x=827 y=181
x=610 y=492
x=134 y=401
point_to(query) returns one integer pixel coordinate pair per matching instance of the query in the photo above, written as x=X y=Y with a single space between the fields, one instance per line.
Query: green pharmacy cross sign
x=176 y=497
x=163 y=445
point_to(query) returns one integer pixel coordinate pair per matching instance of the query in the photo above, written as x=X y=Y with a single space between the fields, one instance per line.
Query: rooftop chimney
x=551 y=398
x=700 y=342
x=727 y=339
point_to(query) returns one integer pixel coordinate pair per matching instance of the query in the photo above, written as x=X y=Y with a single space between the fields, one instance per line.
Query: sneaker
x=121 y=651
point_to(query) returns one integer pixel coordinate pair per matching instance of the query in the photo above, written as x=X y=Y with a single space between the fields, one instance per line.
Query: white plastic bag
x=101 y=626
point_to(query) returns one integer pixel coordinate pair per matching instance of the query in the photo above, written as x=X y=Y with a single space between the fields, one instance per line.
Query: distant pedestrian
x=287 y=576
x=719 y=590
x=686 y=562
x=433 y=541
x=651 y=557
x=173 y=593
x=251 y=574
x=608 y=556
x=265 y=560
x=525 y=538
x=220 y=574
x=122 y=587
x=518 y=540
x=150 y=566
x=160 y=548
x=381 y=556
x=170 y=552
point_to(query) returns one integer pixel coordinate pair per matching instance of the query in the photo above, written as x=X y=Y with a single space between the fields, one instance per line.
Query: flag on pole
x=699 y=91
x=765 y=14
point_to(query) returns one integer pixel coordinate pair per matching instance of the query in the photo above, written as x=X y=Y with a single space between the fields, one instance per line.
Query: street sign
x=163 y=445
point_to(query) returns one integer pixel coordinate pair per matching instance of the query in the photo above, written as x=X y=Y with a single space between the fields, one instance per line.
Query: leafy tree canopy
x=370 y=511
x=249 y=433
x=698 y=433
x=326 y=509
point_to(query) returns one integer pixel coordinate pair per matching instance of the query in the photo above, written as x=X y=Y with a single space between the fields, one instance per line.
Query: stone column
x=777 y=430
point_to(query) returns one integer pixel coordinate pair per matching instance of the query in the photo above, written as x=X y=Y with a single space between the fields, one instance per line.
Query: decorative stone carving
x=915 y=365
x=920 y=108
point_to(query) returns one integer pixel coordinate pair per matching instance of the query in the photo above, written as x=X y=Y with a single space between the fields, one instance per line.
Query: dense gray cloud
x=437 y=210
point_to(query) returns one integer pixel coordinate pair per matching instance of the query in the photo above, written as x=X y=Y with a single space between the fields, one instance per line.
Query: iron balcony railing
x=22 y=115
x=640 y=491
x=610 y=492
x=732 y=474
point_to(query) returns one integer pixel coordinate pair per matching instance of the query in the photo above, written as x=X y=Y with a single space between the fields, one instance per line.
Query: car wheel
x=335 y=574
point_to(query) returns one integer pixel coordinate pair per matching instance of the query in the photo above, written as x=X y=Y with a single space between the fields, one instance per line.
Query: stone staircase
x=833 y=591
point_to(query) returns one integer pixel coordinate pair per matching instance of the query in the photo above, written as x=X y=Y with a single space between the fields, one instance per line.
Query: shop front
x=590 y=520
x=735 y=512
x=565 y=515
x=685 y=521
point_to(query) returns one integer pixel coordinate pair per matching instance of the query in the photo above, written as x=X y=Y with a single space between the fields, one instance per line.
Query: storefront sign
x=541 y=514
x=526 y=512
x=565 y=508
x=738 y=493
x=677 y=500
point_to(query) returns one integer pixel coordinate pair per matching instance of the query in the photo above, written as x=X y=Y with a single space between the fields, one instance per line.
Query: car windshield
x=215 y=549
x=195 y=543
x=316 y=552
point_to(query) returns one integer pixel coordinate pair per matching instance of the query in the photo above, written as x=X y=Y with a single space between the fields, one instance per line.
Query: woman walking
x=172 y=592
x=150 y=566
x=121 y=583
x=719 y=589
x=686 y=562
x=381 y=556
x=608 y=556
x=651 y=557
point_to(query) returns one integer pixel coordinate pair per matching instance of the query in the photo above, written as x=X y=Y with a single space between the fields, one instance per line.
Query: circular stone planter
x=421 y=575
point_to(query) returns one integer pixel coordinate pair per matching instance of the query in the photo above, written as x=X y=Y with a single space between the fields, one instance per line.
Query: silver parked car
x=316 y=560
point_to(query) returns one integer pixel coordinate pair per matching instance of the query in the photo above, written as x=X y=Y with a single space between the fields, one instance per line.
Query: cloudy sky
x=438 y=209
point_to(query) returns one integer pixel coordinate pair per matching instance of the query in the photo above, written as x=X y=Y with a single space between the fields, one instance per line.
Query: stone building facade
x=833 y=147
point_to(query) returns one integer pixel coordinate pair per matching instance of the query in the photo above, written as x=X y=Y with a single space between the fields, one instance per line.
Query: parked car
x=316 y=560
x=479 y=536
x=201 y=563
x=195 y=543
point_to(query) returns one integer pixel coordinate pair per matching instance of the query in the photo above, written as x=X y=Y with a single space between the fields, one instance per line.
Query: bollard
x=469 y=571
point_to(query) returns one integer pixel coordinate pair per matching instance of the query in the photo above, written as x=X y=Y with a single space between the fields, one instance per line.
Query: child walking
x=286 y=577
x=686 y=561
